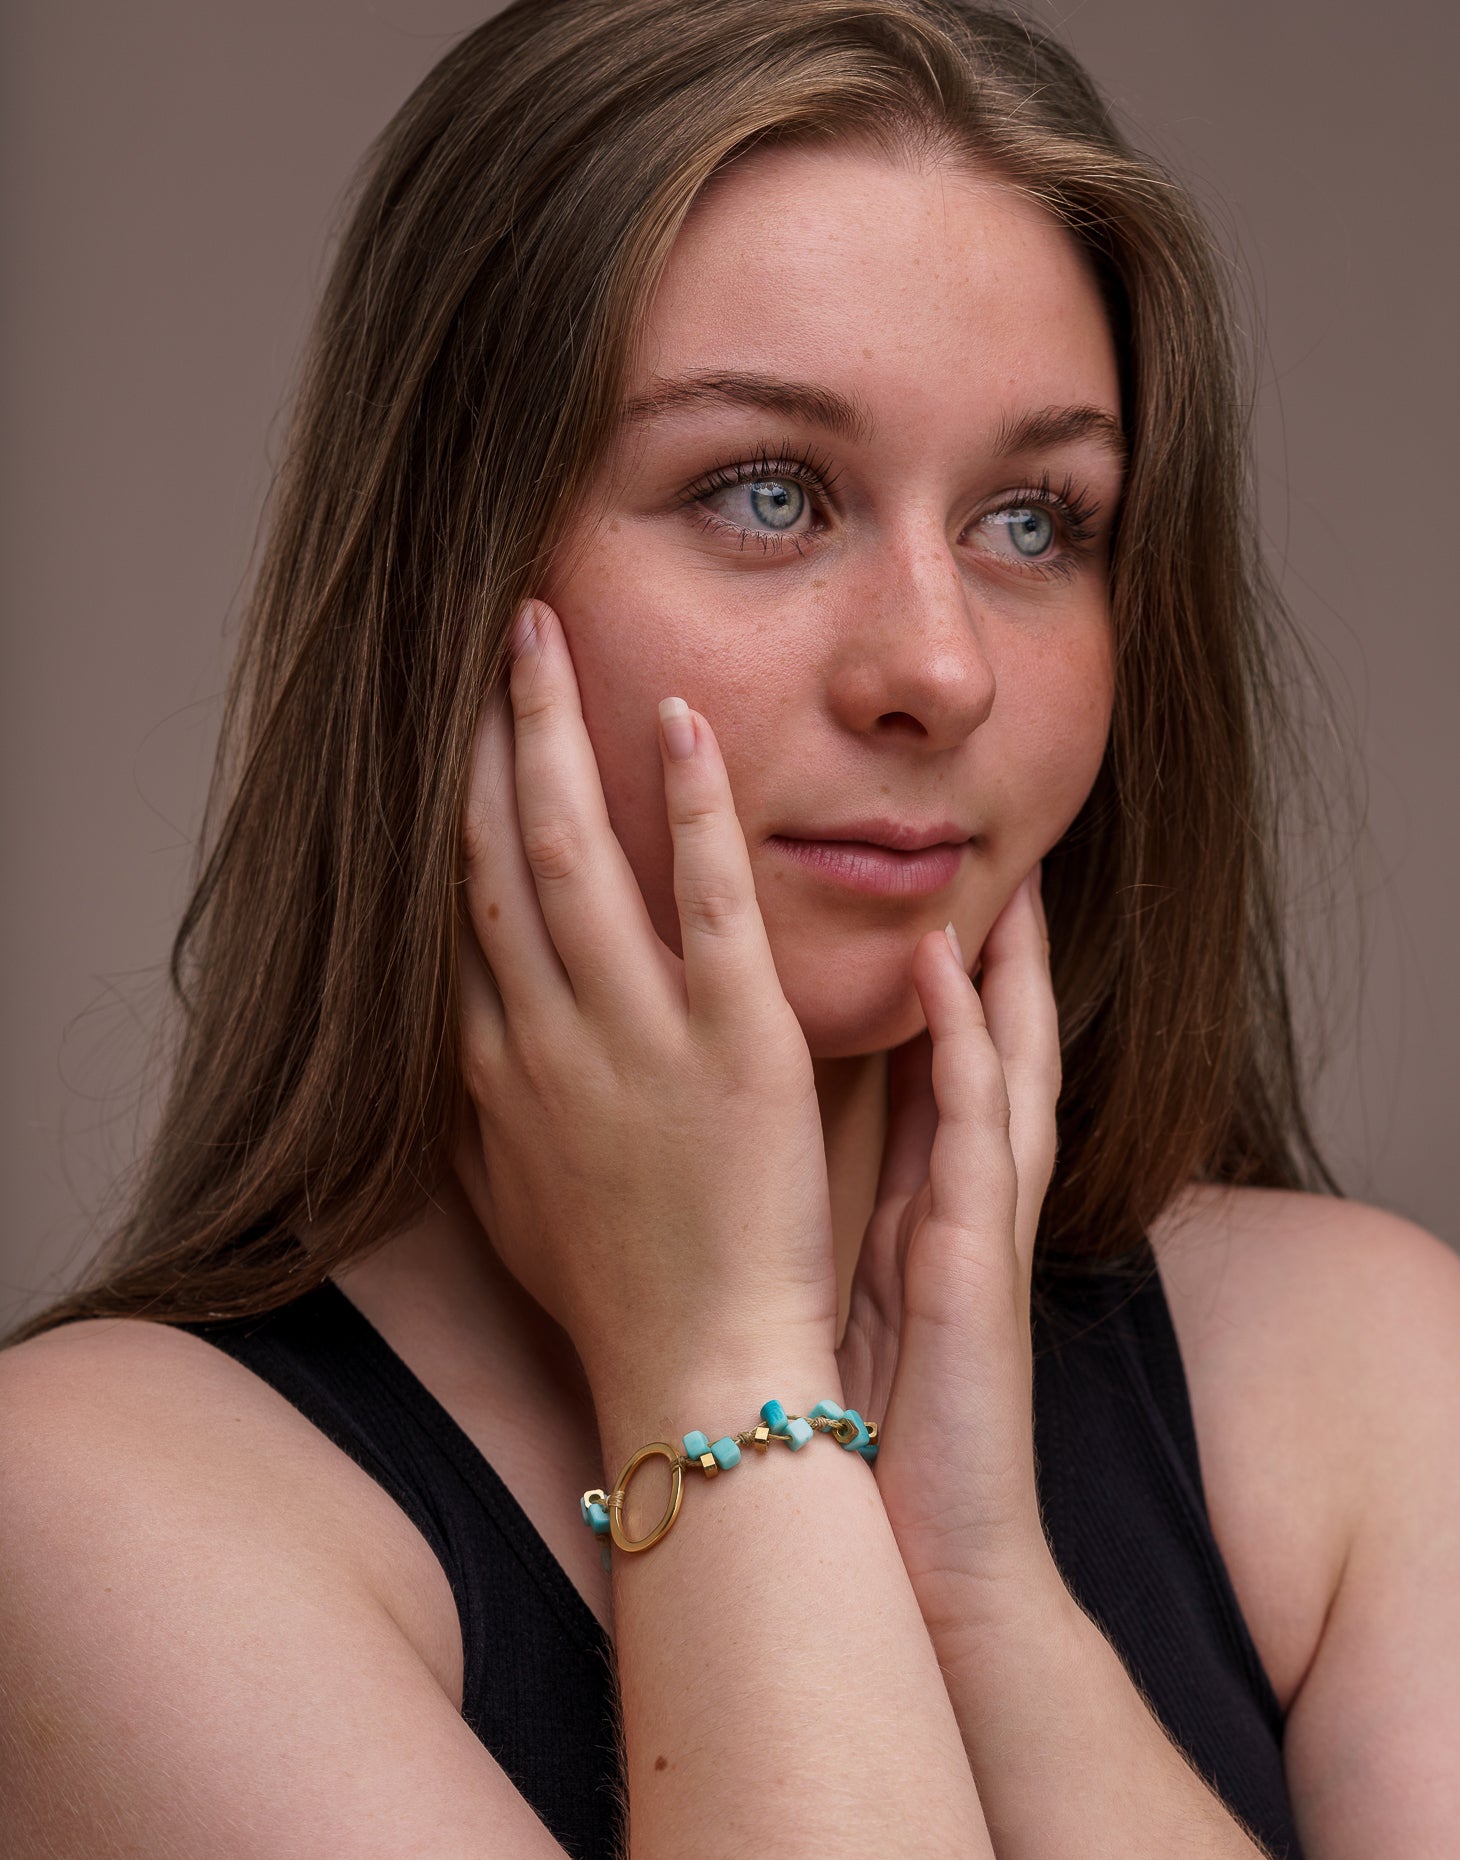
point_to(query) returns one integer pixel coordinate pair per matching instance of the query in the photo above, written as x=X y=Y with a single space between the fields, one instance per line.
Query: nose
x=911 y=656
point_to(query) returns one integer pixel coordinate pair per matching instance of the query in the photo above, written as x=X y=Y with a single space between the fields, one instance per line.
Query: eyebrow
x=849 y=417
x=1061 y=426
x=841 y=414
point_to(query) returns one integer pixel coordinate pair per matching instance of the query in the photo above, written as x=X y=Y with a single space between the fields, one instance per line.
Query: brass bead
x=709 y=1465
x=761 y=1437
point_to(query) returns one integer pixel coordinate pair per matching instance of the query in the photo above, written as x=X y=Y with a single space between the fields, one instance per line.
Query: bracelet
x=603 y=1511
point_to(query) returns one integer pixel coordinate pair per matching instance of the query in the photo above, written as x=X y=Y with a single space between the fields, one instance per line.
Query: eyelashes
x=1070 y=504
x=1076 y=511
x=812 y=470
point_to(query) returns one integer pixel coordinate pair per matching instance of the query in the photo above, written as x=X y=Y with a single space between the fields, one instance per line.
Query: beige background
x=170 y=175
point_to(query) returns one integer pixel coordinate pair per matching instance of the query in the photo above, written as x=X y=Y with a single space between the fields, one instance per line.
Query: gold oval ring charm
x=671 y=1511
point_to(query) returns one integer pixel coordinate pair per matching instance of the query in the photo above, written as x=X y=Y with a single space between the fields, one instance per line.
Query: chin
x=832 y=1033
x=849 y=1007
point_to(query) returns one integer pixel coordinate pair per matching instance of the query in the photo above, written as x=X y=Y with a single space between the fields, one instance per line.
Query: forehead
x=933 y=295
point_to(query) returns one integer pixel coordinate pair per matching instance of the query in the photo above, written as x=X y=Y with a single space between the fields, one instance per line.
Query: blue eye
x=1049 y=531
x=776 y=506
x=777 y=503
x=1031 y=530
x=763 y=500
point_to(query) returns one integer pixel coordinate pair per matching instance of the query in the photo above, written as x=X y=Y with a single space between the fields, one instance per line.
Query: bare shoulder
x=1268 y=1281
x=1318 y=1337
x=1283 y=1232
x=199 y=1654
x=114 y=1413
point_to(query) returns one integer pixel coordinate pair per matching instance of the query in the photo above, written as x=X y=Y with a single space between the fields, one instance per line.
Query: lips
x=927 y=862
x=894 y=835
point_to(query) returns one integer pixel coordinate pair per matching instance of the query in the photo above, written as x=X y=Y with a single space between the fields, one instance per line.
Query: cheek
x=1060 y=720
x=626 y=649
x=634 y=640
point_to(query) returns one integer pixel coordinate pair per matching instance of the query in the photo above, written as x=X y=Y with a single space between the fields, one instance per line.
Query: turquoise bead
x=696 y=1444
x=774 y=1415
x=800 y=1432
x=863 y=1437
x=726 y=1453
x=827 y=1410
x=869 y=1452
x=596 y=1516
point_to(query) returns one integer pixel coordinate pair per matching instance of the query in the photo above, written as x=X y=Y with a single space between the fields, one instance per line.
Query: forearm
x=1067 y=1755
x=780 y=1692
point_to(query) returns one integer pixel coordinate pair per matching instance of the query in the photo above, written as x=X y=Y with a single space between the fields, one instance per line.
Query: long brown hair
x=464 y=379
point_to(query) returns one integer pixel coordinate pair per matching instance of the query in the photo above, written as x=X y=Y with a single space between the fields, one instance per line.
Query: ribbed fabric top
x=1120 y=1486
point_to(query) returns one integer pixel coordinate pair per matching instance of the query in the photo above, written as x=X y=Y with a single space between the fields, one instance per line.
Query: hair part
x=464 y=381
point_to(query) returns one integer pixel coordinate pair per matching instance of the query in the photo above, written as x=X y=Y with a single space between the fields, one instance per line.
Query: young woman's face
x=861 y=524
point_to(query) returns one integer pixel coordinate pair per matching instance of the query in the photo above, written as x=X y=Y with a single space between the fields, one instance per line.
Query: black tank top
x=1120 y=1487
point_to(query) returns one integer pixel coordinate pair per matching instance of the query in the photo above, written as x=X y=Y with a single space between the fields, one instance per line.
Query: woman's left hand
x=937 y=1343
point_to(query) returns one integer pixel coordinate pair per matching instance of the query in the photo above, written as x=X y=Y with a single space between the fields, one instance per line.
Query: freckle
x=494 y=911
x=886 y=789
x=661 y=1763
x=819 y=584
x=613 y=527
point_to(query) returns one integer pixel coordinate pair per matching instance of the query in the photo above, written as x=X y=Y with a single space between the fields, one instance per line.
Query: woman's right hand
x=646 y=1151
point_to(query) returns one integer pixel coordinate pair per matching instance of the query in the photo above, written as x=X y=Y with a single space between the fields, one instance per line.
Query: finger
x=971 y=1168
x=1023 y=1022
x=502 y=906
x=728 y=967
x=587 y=892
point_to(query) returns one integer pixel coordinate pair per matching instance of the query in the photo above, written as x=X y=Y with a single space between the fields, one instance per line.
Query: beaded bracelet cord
x=603 y=1511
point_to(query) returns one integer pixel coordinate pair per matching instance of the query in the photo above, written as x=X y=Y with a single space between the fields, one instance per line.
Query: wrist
x=980 y=1626
x=717 y=1389
x=750 y=1407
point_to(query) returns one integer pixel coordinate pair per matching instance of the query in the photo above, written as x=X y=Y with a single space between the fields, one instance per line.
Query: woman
x=767 y=488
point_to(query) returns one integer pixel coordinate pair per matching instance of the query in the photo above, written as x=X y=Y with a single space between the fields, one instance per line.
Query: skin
x=899 y=658
x=904 y=661
x=899 y=666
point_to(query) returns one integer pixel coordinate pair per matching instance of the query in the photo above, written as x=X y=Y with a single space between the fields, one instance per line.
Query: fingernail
x=523 y=628
x=678 y=727
x=955 y=945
